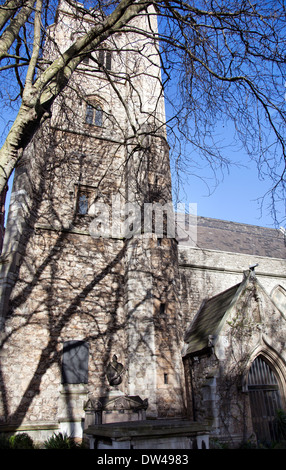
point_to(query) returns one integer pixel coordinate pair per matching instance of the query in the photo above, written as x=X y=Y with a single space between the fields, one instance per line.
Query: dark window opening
x=75 y=362
x=108 y=60
x=162 y=308
x=89 y=114
x=101 y=57
x=165 y=378
x=104 y=59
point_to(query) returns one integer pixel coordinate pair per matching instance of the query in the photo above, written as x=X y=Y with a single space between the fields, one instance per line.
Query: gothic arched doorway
x=265 y=399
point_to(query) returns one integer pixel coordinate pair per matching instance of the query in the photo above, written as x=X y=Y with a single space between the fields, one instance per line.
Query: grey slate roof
x=208 y=318
x=236 y=237
x=222 y=235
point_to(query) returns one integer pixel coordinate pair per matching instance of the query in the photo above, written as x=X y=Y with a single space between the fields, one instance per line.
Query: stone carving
x=92 y=405
x=114 y=372
x=126 y=403
x=114 y=410
x=134 y=403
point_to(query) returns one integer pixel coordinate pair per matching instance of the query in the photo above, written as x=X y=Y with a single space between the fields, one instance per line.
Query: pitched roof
x=240 y=238
x=222 y=235
x=206 y=322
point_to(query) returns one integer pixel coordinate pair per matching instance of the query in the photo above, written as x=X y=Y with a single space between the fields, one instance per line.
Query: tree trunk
x=38 y=98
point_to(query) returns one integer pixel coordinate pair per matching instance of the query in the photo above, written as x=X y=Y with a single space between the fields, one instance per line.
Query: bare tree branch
x=221 y=61
x=12 y=30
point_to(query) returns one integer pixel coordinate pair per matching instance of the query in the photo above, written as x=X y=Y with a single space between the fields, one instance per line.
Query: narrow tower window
x=104 y=59
x=108 y=60
x=94 y=114
x=98 y=114
x=83 y=204
x=101 y=58
x=162 y=308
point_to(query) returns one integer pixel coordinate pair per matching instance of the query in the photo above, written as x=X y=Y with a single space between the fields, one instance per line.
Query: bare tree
x=216 y=62
x=220 y=62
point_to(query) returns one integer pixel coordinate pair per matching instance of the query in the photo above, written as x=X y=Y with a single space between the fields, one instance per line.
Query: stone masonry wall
x=205 y=273
x=67 y=284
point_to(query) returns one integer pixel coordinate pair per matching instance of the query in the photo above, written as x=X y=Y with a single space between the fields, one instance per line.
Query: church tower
x=89 y=310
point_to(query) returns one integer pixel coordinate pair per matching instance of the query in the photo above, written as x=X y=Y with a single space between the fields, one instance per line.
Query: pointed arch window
x=278 y=294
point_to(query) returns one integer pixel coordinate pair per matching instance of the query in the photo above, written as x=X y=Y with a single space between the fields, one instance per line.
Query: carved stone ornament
x=92 y=405
x=114 y=372
x=126 y=403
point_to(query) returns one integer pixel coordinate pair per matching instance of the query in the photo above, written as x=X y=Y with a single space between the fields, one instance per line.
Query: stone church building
x=133 y=338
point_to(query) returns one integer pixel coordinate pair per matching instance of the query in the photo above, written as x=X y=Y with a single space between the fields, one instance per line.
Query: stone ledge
x=39 y=426
x=142 y=429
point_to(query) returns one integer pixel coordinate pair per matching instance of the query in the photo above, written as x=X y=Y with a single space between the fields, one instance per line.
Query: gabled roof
x=208 y=319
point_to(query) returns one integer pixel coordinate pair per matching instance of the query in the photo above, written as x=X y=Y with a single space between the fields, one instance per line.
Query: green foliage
x=4 y=442
x=217 y=444
x=249 y=444
x=21 y=441
x=280 y=424
x=280 y=445
x=60 y=441
x=17 y=441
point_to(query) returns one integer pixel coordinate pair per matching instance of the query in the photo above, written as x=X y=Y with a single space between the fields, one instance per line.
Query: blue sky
x=236 y=193
x=235 y=198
